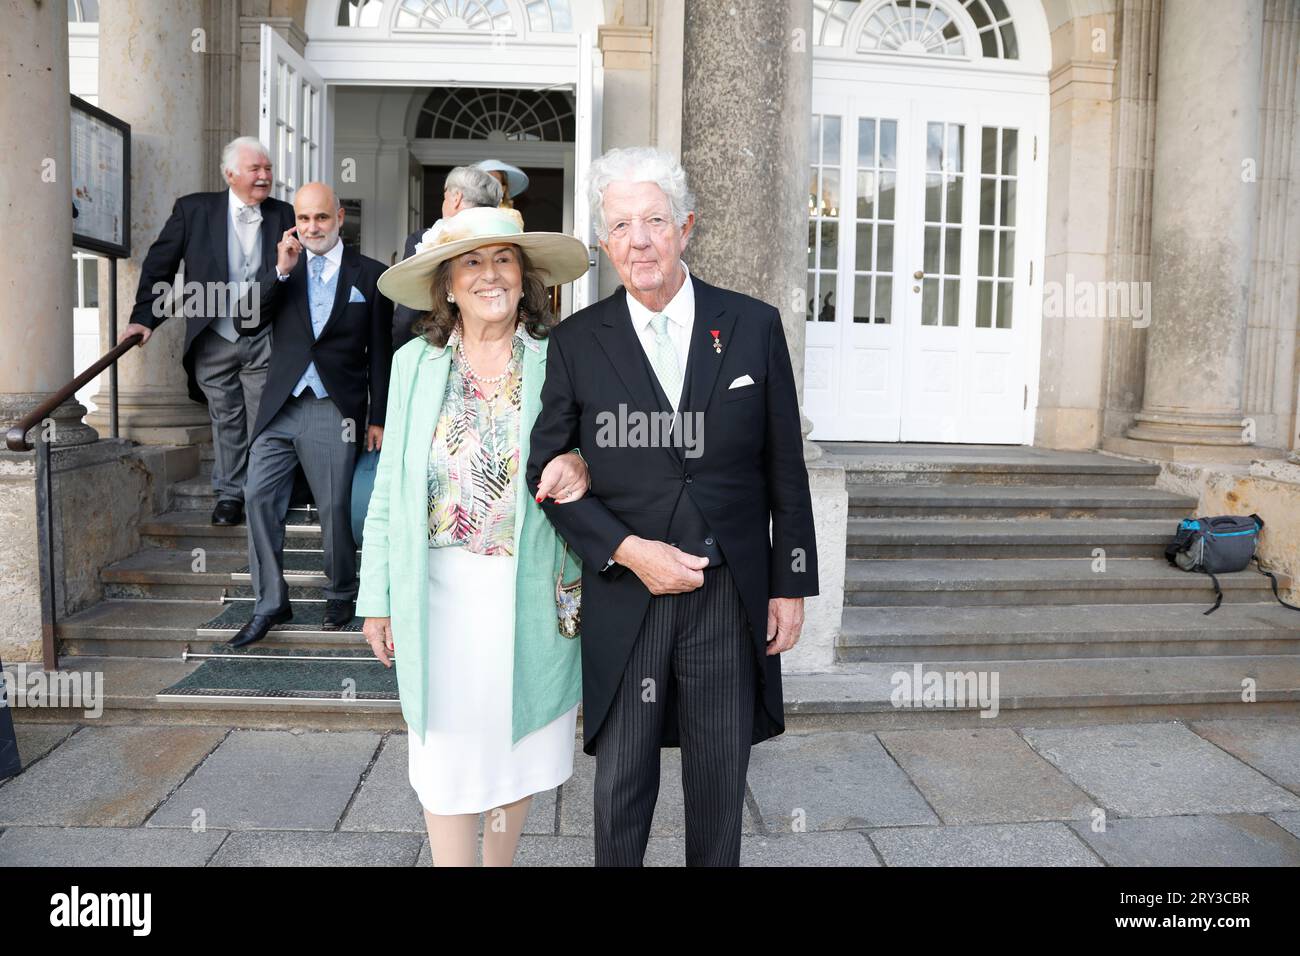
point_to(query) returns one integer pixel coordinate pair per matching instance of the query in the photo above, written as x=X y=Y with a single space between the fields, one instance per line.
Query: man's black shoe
x=228 y=512
x=256 y=629
x=338 y=613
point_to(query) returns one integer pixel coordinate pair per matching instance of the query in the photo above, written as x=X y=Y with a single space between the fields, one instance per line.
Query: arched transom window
x=481 y=16
x=83 y=11
x=963 y=28
x=511 y=115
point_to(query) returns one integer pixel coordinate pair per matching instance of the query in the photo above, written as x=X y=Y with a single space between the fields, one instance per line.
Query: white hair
x=638 y=164
x=477 y=186
x=230 y=153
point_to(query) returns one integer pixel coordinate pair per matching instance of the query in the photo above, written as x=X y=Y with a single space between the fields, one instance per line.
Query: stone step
x=994 y=538
x=1032 y=690
x=297 y=592
x=1066 y=631
x=1016 y=581
x=1015 y=501
x=150 y=627
x=302 y=568
x=159 y=628
x=169 y=573
x=859 y=696
x=889 y=474
x=931 y=464
x=194 y=529
x=193 y=494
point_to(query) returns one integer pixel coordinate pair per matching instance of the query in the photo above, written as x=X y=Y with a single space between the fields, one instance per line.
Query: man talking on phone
x=330 y=357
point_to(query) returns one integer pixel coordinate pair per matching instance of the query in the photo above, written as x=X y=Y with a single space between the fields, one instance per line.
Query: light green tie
x=663 y=359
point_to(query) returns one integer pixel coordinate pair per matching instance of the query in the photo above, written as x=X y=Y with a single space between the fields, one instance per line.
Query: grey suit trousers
x=232 y=376
x=310 y=430
x=694 y=653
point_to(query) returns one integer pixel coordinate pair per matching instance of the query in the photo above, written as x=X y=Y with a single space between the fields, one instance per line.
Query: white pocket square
x=743 y=380
x=356 y=295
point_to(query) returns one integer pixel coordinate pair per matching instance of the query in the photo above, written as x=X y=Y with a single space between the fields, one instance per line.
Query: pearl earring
x=450 y=297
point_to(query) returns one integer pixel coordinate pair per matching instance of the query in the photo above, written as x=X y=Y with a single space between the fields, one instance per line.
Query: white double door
x=923 y=244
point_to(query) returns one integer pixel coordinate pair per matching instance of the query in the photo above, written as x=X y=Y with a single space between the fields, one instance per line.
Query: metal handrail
x=16 y=440
x=16 y=437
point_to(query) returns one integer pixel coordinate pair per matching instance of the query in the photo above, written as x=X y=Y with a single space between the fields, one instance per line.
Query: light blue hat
x=516 y=178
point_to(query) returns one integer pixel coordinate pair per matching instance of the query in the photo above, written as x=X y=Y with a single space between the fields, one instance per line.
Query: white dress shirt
x=680 y=311
x=681 y=320
x=246 y=231
x=333 y=259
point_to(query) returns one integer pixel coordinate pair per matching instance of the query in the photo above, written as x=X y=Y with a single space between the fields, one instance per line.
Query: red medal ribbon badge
x=717 y=342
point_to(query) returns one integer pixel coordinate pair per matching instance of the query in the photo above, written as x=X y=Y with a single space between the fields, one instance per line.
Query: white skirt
x=467 y=762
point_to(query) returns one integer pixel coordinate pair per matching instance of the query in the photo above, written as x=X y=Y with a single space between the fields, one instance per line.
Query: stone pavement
x=1183 y=793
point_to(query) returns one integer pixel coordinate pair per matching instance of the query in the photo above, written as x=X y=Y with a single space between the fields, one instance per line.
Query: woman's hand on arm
x=379 y=635
x=565 y=478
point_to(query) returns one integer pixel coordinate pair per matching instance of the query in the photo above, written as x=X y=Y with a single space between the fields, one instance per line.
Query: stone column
x=1204 y=214
x=151 y=76
x=36 y=277
x=744 y=146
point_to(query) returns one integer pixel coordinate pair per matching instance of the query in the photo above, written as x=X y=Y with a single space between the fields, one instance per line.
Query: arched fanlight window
x=488 y=16
x=831 y=20
x=360 y=13
x=996 y=31
x=512 y=115
x=911 y=26
x=918 y=27
x=549 y=16
x=83 y=11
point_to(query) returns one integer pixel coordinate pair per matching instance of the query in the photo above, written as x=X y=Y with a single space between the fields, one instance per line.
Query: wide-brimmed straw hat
x=555 y=257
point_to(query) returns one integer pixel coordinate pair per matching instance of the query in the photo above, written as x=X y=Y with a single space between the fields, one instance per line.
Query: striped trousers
x=312 y=431
x=693 y=653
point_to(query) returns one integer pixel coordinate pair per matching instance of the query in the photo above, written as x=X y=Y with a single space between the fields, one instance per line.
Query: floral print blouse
x=474 y=459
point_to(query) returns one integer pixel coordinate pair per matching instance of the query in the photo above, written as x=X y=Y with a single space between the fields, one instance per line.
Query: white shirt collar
x=680 y=309
x=237 y=204
x=334 y=256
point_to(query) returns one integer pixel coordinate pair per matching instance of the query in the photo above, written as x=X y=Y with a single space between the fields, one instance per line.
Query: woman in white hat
x=461 y=570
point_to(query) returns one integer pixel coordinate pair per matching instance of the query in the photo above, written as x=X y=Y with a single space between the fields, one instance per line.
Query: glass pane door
x=853 y=354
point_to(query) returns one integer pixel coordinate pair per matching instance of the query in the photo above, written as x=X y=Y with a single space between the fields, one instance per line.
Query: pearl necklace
x=469 y=368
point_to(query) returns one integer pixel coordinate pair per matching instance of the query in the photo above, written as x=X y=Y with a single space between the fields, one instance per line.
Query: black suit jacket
x=404 y=315
x=353 y=354
x=749 y=473
x=196 y=234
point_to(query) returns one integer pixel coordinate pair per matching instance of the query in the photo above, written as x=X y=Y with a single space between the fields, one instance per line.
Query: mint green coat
x=395 y=557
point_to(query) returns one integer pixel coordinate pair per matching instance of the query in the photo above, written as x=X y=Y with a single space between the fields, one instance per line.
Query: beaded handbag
x=568 y=599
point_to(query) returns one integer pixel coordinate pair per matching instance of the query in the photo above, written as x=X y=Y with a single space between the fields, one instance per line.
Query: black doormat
x=344 y=679
x=307 y=616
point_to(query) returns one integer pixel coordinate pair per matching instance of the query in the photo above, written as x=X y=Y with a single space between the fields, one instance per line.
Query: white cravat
x=247 y=219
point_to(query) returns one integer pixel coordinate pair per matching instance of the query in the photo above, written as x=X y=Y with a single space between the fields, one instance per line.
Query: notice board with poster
x=101 y=181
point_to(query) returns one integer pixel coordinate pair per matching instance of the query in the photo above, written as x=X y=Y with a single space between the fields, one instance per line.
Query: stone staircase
x=972 y=555
x=958 y=557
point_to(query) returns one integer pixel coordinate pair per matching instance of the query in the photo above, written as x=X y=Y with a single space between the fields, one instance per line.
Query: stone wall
x=102 y=493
